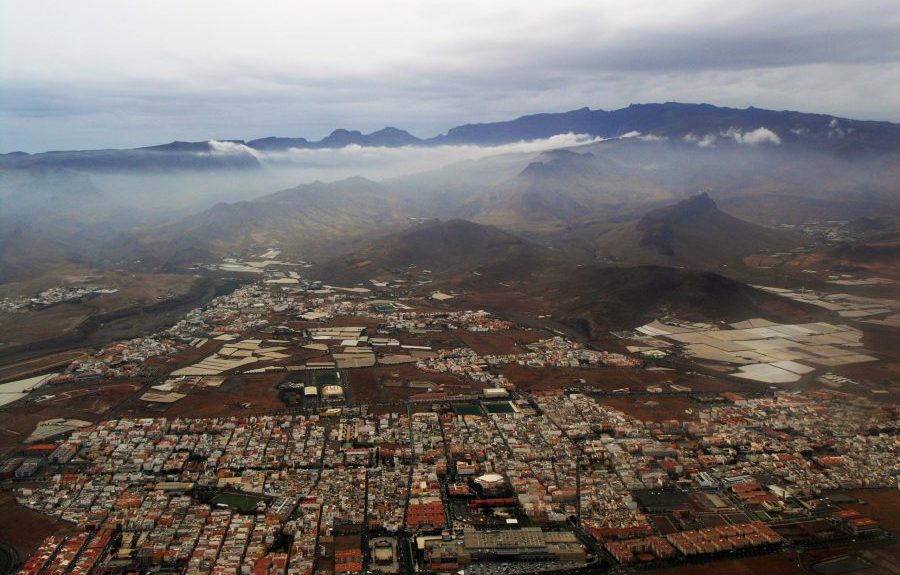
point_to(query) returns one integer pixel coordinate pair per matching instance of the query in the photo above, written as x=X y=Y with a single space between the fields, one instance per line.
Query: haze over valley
x=449 y=288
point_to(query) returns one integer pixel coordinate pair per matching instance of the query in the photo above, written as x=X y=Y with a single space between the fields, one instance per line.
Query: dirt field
x=139 y=289
x=96 y=399
x=257 y=390
x=364 y=386
x=882 y=341
x=134 y=289
x=55 y=276
x=777 y=564
x=649 y=408
x=503 y=300
x=535 y=379
x=24 y=529
x=36 y=366
x=883 y=505
x=144 y=287
x=883 y=264
x=90 y=402
x=881 y=376
x=609 y=379
x=436 y=340
x=500 y=342
x=29 y=326
x=346 y=321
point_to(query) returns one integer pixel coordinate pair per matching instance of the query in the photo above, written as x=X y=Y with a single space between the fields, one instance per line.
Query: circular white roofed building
x=491 y=483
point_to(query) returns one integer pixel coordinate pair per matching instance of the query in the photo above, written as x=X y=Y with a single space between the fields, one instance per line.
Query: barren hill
x=597 y=299
x=308 y=219
x=562 y=186
x=694 y=233
x=446 y=248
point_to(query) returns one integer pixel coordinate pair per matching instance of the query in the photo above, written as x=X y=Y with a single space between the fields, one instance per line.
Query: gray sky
x=93 y=74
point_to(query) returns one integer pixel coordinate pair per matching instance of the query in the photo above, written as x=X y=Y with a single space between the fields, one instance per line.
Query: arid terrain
x=665 y=349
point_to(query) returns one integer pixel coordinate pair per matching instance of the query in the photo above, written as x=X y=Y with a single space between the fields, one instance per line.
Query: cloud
x=760 y=135
x=704 y=141
x=645 y=137
x=835 y=130
x=382 y=162
x=199 y=70
x=231 y=148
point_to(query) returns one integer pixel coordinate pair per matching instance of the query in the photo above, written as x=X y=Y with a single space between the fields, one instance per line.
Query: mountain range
x=702 y=124
x=687 y=191
x=612 y=200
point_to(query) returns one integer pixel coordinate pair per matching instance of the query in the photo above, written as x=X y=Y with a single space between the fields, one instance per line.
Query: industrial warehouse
x=452 y=552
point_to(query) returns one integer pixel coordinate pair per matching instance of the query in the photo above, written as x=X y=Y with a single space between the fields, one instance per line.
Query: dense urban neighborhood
x=404 y=438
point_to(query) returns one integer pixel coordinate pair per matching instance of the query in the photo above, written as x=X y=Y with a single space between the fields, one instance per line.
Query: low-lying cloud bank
x=184 y=191
x=383 y=162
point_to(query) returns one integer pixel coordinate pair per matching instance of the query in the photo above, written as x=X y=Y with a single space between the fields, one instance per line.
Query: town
x=440 y=459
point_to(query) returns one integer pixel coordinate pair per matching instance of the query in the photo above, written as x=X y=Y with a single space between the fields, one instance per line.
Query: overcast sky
x=93 y=74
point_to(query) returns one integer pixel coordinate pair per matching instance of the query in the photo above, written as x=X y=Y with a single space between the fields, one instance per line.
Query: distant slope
x=615 y=180
x=51 y=218
x=675 y=120
x=26 y=252
x=792 y=208
x=173 y=156
x=560 y=187
x=306 y=221
x=446 y=248
x=389 y=137
x=583 y=200
x=694 y=233
x=598 y=299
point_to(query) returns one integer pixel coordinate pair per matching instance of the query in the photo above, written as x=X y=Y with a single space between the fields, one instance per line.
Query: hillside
x=446 y=248
x=559 y=187
x=51 y=219
x=305 y=221
x=693 y=233
x=201 y=156
x=598 y=299
x=695 y=122
x=616 y=180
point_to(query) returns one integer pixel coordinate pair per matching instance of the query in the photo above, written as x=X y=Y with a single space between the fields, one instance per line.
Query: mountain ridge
x=703 y=124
